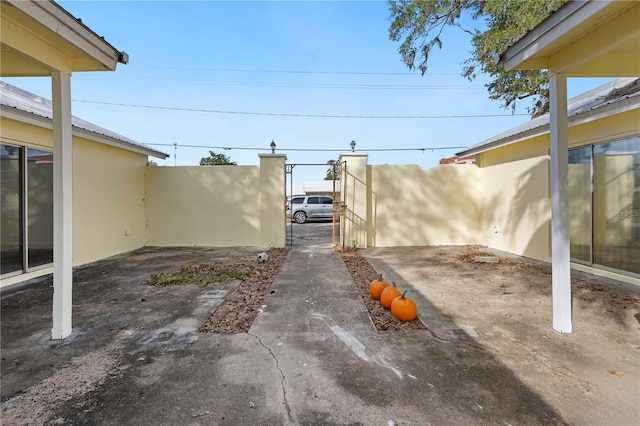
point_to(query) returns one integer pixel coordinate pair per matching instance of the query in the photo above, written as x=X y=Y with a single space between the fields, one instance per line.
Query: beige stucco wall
x=356 y=187
x=108 y=201
x=516 y=180
x=415 y=206
x=272 y=199
x=605 y=129
x=108 y=194
x=204 y=206
x=516 y=209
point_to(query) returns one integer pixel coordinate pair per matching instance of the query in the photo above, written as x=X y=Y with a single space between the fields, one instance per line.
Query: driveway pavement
x=312 y=356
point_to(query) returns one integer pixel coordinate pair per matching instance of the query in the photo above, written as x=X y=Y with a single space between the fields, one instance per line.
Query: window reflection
x=40 y=207
x=616 y=201
x=580 y=203
x=604 y=211
x=11 y=209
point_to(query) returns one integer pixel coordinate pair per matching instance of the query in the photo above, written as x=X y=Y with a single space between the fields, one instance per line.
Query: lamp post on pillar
x=353 y=146
x=273 y=147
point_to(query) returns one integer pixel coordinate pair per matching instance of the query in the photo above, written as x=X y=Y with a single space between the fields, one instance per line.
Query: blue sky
x=288 y=58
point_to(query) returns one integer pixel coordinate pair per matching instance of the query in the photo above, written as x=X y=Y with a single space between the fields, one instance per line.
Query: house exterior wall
x=108 y=201
x=516 y=180
x=516 y=208
x=415 y=206
x=108 y=194
x=204 y=206
x=613 y=127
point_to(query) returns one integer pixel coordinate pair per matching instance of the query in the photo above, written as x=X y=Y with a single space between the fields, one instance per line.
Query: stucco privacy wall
x=204 y=206
x=415 y=206
x=272 y=199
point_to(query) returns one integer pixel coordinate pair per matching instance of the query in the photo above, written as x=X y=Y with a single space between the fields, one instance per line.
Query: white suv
x=303 y=207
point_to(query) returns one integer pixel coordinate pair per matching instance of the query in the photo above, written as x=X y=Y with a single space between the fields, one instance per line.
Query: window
x=297 y=200
x=313 y=200
x=26 y=221
x=327 y=200
x=604 y=204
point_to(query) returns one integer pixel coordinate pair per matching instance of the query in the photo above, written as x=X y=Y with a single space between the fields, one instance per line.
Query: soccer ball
x=262 y=257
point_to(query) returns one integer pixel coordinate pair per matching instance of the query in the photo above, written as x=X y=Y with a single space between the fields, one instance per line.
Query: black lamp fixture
x=353 y=146
x=273 y=147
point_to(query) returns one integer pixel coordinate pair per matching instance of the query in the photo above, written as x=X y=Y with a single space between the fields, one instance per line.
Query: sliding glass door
x=26 y=198
x=11 y=254
x=604 y=204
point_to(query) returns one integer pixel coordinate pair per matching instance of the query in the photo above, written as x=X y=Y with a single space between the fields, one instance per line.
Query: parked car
x=303 y=207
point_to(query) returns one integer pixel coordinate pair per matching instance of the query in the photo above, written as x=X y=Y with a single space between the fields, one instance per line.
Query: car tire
x=300 y=217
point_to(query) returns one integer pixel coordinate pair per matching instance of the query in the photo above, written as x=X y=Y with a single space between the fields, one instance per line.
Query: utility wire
x=323 y=85
x=228 y=148
x=266 y=71
x=276 y=114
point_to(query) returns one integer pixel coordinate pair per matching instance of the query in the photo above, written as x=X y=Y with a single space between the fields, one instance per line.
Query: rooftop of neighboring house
x=456 y=159
x=615 y=96
x=28 y=104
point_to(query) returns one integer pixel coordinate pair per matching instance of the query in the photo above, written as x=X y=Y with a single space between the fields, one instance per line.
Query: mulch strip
x=237 y=312
x=362 y=274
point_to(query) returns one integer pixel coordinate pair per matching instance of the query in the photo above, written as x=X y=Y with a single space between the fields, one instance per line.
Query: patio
x=489 y=355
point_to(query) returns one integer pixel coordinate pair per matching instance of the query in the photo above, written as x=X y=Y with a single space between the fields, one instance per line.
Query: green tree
x=217 y=160
x=420 y=25
x=330 y=175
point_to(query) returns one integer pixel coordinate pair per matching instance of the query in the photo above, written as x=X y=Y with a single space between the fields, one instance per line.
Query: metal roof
x=29 y=104
x=602 y=101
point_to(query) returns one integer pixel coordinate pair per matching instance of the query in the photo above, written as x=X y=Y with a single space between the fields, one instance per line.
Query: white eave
x=40 y=36
x=582 y=38
x=584 y=108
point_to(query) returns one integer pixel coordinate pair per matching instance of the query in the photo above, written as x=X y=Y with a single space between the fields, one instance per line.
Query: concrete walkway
x=312 y=356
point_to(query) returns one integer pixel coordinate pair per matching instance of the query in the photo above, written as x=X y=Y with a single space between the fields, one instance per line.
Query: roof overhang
x=47 y=123
x=582 y=39
x=543 y=128
x=38 y=37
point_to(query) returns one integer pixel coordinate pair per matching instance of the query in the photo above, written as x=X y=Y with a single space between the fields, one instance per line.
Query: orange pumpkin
x=376 y=287
x=388 y=294
x=404 y=308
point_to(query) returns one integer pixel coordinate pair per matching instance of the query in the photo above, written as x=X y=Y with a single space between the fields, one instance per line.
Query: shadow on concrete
x=312 y=355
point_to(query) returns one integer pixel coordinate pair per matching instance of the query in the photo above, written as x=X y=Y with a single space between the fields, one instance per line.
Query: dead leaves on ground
x=237 y=312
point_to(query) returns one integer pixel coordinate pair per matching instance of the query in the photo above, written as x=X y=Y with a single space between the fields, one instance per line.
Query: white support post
x=561 y=260
x=62 y=205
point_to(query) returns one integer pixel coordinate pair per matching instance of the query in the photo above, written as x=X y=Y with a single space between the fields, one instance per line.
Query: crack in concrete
x=284 y=389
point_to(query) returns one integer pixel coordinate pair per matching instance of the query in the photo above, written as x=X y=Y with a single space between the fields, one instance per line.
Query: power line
x=277 y=114
x=272 y=71
x=323 y=85
x=228 y=148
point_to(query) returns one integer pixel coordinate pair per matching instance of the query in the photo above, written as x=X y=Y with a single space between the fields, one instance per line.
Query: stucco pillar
x=354 y=188
x=272 y=200
x=62 y=205
x=560 y=252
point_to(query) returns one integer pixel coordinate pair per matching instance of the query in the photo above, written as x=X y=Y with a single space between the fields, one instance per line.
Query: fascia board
x=61 y=23
x=548 y=32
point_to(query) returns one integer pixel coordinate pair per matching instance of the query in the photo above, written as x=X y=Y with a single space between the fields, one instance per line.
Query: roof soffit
x=41 y=37
x=594 y=38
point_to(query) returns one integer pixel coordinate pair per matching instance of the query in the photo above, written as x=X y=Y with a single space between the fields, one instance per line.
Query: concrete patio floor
x=312 y=356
